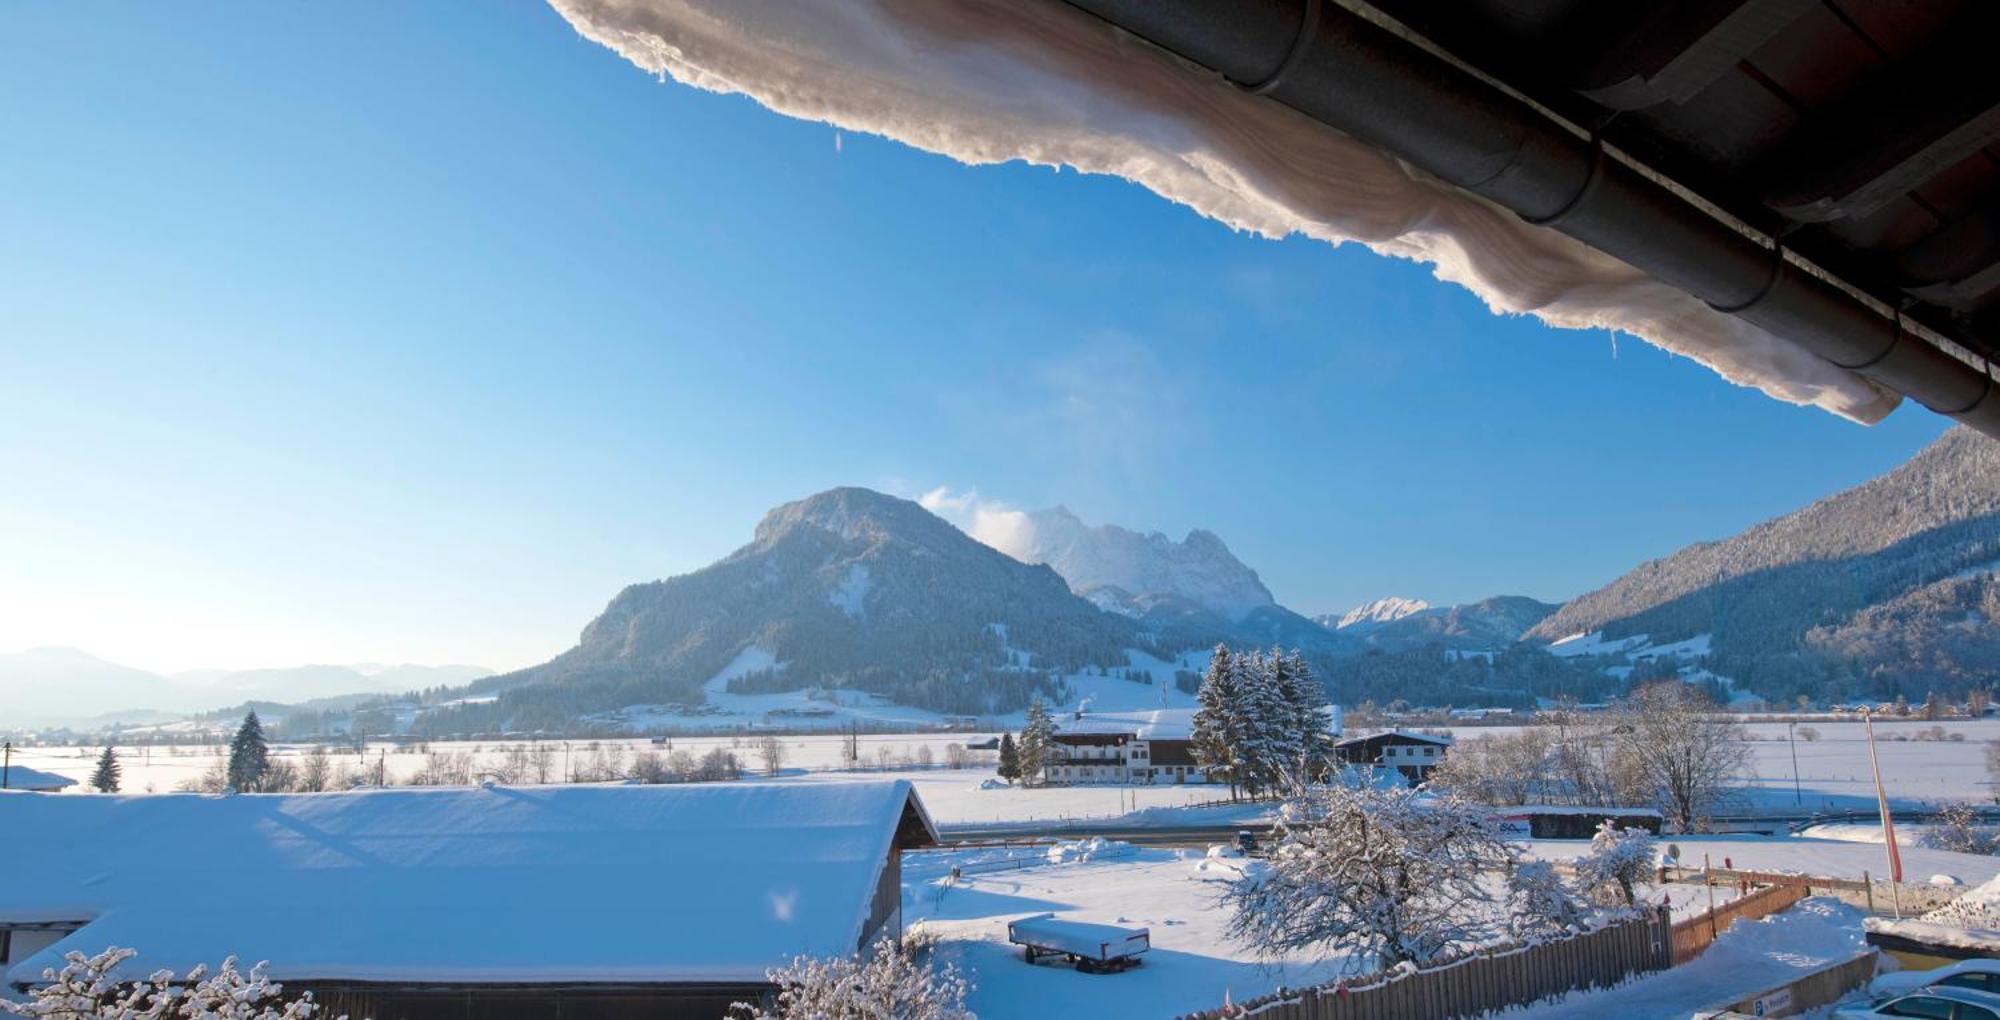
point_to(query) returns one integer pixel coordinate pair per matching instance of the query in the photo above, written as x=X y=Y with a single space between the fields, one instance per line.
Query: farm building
x=20 y=777
x=1411 y=753
x=1125 y=747
x=609 y=901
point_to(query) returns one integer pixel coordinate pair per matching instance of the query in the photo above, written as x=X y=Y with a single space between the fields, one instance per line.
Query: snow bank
x=1044 y=83
x=1972 y=921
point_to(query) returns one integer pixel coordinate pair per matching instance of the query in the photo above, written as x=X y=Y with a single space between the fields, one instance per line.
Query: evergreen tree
x=1266 y=744
x=1010 y=758
x=105 y=779
x=1310 y=718
x=1037 y=741
x=1213 y=738
x=249 y=756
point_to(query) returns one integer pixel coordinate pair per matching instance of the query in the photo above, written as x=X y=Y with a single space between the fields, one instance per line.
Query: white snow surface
x=1035 y=80
x=1971 y=921
x=1751 y=957
x=617 y=883
x=21 y=777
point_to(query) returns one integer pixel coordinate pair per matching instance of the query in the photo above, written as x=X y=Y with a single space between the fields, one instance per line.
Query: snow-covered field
x=1833 y=769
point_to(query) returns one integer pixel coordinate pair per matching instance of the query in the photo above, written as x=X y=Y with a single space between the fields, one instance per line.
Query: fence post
x=1868 y=883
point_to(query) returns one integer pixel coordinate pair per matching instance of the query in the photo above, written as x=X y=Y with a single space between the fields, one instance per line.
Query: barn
x=604 y=901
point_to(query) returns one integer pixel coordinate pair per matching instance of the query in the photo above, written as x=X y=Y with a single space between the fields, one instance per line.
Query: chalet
x=1125 y=747
x=1409 y=752
x=20 y=777
x=608 y=901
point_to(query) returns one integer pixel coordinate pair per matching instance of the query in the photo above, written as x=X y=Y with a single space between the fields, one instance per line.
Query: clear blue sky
x=394 y=331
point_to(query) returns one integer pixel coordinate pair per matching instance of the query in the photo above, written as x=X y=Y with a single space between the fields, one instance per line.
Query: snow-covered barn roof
x=20 y=777
x=1412 y=736
x=638 y=884
x=1158 y=724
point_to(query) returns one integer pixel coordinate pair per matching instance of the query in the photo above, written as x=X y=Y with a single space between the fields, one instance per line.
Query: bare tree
x=772 y=753
x=1685 y=758
x=1502 y=771
x=317 y=772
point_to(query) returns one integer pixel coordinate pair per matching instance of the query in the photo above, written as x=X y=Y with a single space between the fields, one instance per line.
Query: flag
x=1882 y=802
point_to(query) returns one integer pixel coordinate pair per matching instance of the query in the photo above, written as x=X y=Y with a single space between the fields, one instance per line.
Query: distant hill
x=849 y=588
x=1884 y=589
x=1369 y=615
x=307 y=683
x=61 y=686
x=1486 y=624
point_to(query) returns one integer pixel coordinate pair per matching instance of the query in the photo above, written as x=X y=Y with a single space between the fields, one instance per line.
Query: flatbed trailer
x=1094 y=948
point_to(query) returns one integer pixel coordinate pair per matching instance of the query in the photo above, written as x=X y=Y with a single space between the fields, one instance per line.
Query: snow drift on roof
x=1038 y=81
x=21 y=777
x=714 y=882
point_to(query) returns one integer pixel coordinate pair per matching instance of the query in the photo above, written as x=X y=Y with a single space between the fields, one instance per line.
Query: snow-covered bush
x=86 y=987
x=897 y=982
x=1540 y=903
x=1376 y=873
x=1957 y=828
x=1618 y=862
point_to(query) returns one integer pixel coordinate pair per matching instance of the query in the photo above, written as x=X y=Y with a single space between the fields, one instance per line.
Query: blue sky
x=412 y=332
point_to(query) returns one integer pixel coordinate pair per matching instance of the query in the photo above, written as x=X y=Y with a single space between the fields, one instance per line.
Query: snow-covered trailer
x=1094 y=948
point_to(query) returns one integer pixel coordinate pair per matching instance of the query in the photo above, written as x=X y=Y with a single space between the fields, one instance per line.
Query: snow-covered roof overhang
x=1044 y=82
x=697 y=883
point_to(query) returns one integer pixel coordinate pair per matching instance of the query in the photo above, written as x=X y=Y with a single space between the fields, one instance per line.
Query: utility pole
x=6 y=763
x=1798 y=798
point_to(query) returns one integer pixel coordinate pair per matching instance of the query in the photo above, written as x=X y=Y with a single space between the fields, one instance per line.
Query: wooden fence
x=1694 y=935
x=1876 y=897
x=1479 y=982
x=1822 y=987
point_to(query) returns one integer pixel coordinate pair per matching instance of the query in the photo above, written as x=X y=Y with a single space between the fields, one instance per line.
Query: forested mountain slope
x=1875 y=591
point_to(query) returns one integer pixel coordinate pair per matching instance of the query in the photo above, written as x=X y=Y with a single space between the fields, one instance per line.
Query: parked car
x=1978 y=975
x=1941 y=1003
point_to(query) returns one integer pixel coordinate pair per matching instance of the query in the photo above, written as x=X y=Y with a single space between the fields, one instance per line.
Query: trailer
x=1094 y=948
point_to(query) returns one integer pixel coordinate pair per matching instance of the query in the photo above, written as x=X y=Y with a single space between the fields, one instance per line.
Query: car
x=1979 y=975
x=1941 y=1003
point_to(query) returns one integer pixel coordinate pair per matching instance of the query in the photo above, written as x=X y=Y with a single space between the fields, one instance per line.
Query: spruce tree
x=1213 y=740
x=1309 y=710
x=105 y=779
x=1265 y=746
x=1037 y=740
x=1010 y=758
x=249 y=756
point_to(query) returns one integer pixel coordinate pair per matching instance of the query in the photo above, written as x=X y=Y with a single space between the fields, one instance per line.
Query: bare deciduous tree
x=1684 y=756
x=772 y=753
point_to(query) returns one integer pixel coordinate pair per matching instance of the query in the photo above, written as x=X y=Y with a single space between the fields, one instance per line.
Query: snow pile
x=1050 y=85
x=1971 y=921
x=710 y=882
x=1079 y=851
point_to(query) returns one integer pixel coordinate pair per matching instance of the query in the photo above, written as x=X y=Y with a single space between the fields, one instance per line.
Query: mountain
x=1883 y=589
x=846 y=589
x=1141 y=574
x=1369 y=615
x=1486 y=624
x=61 y=686
x=306 y=683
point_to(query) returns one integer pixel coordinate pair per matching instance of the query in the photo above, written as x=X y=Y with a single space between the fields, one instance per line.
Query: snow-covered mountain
x=1372 y=614
x=1129 y=572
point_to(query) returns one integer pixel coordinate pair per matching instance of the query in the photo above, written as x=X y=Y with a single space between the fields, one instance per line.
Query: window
x=1967 y=1011
x=1977 y=980
x=1919 y=1005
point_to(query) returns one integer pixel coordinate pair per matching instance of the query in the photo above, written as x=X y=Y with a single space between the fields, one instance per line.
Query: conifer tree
x=1010 y=758
x=1037 y=741
x=105 y=779
x=1213 y=739
x=249 y=756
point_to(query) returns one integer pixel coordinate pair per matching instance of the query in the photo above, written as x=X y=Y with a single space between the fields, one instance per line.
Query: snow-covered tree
x=1037 y=744
x=249 y=756
x=1374 y=872
x=1540 y=903
x=1957 y=828
x=1268 y=742
x=1213 y=737
x=1010 y=758
x=105 y=778
x=897 y=982
x=1311 y=722
x=89 y=987
x=1617 y=863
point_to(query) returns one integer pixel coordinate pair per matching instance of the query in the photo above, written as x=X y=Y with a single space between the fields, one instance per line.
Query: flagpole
x=1888 y=823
